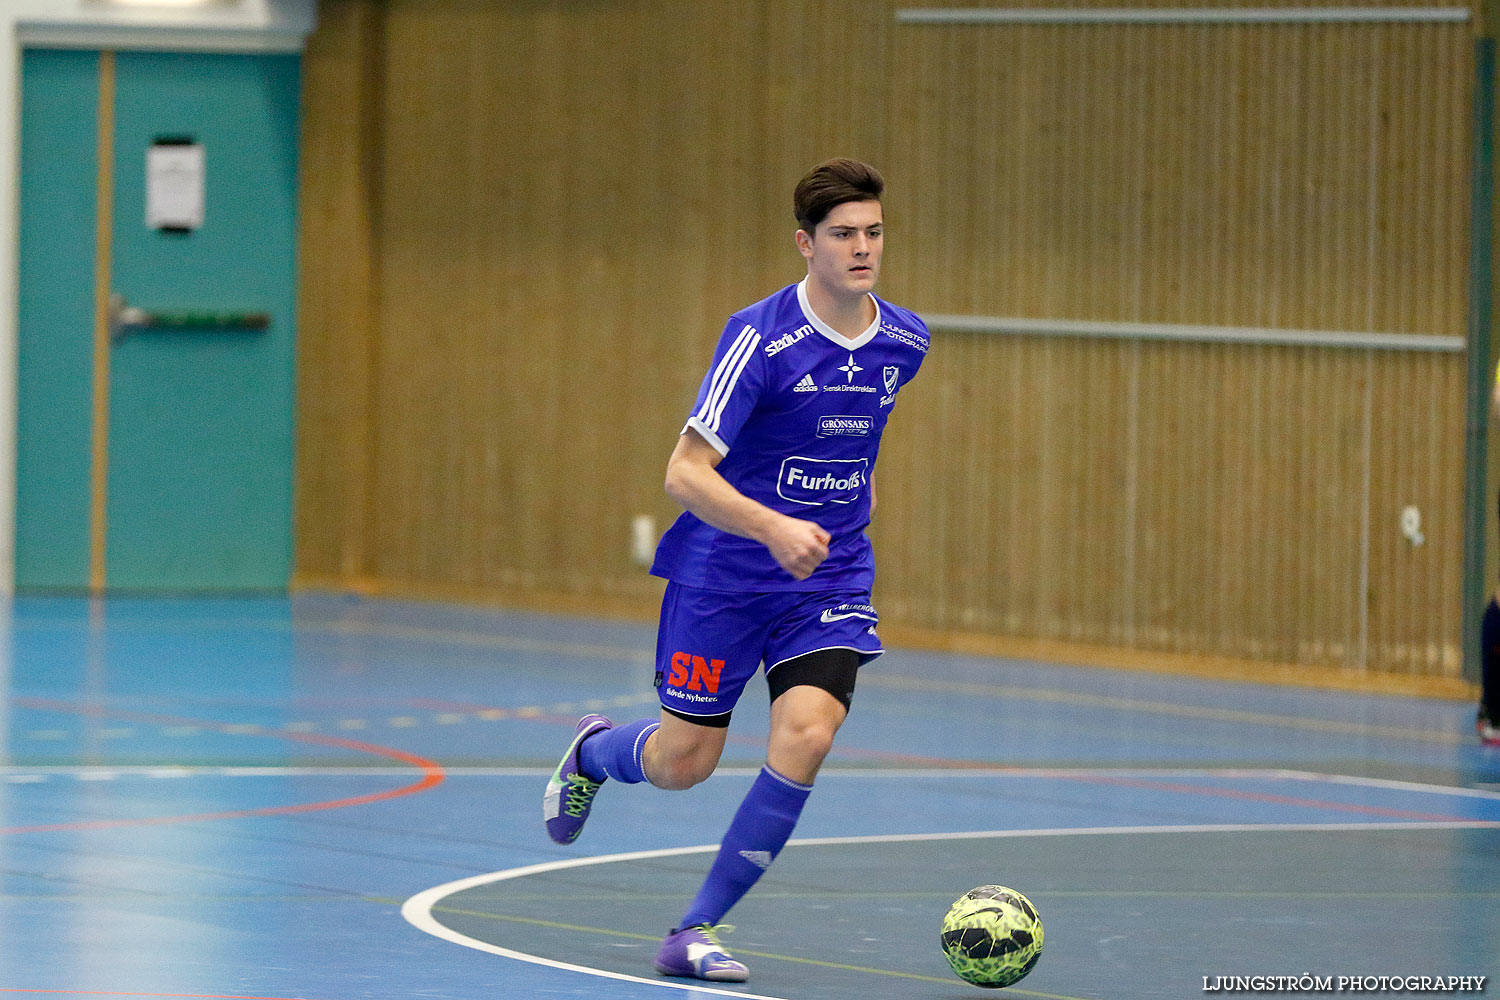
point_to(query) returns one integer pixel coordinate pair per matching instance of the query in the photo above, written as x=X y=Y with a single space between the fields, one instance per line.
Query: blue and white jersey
x=797 y=412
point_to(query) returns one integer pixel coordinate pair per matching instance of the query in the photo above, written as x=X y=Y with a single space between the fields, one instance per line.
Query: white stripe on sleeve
x=734 y=379
x=728 y=371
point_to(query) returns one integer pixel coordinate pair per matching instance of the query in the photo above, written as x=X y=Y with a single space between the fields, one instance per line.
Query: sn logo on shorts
x=694 y=673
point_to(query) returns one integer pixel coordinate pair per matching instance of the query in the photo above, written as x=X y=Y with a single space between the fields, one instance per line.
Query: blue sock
x=759 y=831
x=616 y=753
x=1489 y=688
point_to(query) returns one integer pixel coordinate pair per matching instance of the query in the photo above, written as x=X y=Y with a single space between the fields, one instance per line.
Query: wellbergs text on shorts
x=815 y=481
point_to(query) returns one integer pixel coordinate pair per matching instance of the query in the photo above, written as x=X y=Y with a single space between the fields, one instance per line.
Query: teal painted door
x=200 y=421
x=59 y=114
x=200 y=454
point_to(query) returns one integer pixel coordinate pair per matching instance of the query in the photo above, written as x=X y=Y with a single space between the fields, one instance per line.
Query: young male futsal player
x=769 y=563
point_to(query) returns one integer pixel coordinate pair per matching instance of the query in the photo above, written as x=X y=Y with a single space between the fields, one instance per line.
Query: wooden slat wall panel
x=1219 y=500
x=563 y=241
x=337 y=290
x=571 y=198
x=1417 y=458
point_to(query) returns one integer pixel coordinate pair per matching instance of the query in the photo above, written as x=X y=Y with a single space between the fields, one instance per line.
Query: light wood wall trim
x=1268 y=337
x=1326 y=14
x=104 y=221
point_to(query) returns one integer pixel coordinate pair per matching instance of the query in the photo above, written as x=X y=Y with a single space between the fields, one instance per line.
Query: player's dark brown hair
x=829 y=185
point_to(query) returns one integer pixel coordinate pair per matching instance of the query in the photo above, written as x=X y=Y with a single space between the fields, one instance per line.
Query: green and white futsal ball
x=992 y=936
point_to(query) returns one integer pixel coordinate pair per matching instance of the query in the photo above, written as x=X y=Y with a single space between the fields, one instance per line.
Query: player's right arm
x=693 y=480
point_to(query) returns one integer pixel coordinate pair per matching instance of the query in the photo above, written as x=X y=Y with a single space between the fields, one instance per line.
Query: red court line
x=106 y=993
x=432 y=772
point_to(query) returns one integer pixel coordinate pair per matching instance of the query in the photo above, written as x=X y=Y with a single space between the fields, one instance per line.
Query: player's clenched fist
x=799 y=546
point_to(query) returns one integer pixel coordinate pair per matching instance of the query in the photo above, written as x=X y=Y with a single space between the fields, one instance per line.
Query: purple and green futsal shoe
x=695 y=953
x=570 y=792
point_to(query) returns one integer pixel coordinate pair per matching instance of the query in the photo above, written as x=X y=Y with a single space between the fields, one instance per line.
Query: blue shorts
x=711 y=642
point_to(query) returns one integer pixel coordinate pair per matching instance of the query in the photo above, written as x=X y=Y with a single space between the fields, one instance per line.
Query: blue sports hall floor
x=327 y=797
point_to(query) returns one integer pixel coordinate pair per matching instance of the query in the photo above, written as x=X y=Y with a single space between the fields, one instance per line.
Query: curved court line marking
x=417 y=910
x=432 y=772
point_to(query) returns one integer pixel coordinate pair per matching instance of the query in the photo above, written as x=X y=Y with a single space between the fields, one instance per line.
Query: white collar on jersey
x=830 y=332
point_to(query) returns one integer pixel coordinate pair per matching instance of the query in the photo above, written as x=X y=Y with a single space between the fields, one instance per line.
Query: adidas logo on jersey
x=760 y=859
x=806 y=385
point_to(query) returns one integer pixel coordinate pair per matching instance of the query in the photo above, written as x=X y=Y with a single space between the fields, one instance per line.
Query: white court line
x=418 y=909
x=1481 y=790
x=418 y=912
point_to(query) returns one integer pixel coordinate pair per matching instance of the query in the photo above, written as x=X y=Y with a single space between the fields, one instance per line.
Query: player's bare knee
x=675 y=768
x=677 y=774
x=818 y=740
x=808 y=741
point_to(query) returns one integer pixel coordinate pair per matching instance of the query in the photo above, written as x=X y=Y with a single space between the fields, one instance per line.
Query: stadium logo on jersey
x=892 y=376
x=845 y=426
x=816 y=481
x=806 y=385
x=695 y=673
x=904 y=336
x=780 y=344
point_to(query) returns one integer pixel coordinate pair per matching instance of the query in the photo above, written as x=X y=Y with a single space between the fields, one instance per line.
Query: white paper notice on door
x=174 y=185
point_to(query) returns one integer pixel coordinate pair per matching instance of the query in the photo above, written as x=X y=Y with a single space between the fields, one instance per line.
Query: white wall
x=223 y=26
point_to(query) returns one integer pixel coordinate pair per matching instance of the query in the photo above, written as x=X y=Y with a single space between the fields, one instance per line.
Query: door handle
x=124 y=318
